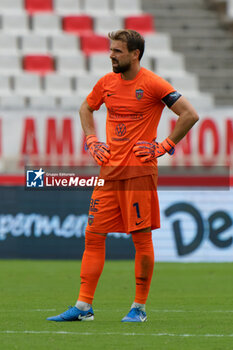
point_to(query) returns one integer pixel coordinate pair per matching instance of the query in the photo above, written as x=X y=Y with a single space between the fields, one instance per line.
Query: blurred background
x=51 y=54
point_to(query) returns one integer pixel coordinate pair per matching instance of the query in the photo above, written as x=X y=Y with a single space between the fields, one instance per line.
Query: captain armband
x=171 y=98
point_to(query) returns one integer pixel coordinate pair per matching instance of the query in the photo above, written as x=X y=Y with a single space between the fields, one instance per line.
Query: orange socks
x=144 y=264
x=92 y=265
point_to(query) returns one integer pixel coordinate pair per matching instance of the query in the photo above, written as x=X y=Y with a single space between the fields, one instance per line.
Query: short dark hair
x=133 y=39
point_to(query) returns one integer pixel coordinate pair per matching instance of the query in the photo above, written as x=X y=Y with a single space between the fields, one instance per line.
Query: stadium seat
x=97 y=8
x=10 y=65
x=41 y=64
x=15 y=24
x=188 y=82
x=84 y=84
x=167 y=62
x=27 y=84
x=126 y=7
x=8 y=44
x=147 y=62
x=229 y=8
x=71 y=102
x=33 y=6
x=158 y=42
x=42 y=102
x=34 y=44
x=141 y=23
x=5 y=88
x=12 y=102
x=79 y=25
x=65 y=44
x=71 y=65
x=100 y=64
x=67 y=7
x=200 y=100
x=11 y=6
x=57 y=85
x=46 y=24
x=94 y=43
x=105 y=24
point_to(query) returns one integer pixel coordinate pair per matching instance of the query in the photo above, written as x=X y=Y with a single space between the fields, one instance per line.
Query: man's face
x=120 y=56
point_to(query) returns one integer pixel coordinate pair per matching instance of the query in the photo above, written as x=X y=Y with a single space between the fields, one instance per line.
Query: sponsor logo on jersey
x=120 y=129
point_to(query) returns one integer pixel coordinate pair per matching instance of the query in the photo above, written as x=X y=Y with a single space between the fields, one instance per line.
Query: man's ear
x=136 y=54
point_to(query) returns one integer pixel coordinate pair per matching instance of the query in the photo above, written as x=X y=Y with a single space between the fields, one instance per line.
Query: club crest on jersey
x=139 y=94
x=90 y=219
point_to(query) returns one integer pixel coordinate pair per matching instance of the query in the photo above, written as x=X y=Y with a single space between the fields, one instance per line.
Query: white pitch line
x=167 y=311
x=33 y=310
x=120 y=333
x=199 y=311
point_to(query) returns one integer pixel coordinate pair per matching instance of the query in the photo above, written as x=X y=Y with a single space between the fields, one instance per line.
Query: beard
x=121 y=68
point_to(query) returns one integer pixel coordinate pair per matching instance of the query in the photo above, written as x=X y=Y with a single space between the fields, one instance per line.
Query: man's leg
x=91 y=269
x=144 y=265
x=92 y=266
x=104 y=216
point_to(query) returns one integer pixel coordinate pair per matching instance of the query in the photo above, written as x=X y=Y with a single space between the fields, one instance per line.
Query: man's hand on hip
x=100 y=151
x=147 y=151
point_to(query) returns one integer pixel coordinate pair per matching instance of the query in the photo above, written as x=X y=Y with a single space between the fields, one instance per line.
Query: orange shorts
x=124 y=205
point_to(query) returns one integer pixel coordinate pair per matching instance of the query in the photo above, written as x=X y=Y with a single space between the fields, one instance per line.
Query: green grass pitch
x=190 y=306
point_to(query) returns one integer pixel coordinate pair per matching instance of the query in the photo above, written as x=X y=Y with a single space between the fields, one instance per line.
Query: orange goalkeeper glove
x=150 y=150
x=100 y=151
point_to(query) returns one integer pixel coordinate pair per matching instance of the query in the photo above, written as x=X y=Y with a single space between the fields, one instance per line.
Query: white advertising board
x=56 y=137
x=196 y=225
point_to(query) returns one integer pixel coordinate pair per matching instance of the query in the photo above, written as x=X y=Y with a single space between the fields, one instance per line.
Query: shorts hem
x=97 y=231
x=153 y=227
x=128 y=232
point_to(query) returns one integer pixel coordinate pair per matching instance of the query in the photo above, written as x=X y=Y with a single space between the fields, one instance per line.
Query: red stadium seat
x=33 y=6
x=94 y=43
x=40 y=64
x=141 y=23
x=80 y=25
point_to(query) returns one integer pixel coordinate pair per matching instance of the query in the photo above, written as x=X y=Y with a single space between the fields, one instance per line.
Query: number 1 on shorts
x=136 y=205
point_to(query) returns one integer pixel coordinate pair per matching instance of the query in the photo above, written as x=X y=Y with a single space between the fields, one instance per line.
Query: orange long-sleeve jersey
x=134 y=109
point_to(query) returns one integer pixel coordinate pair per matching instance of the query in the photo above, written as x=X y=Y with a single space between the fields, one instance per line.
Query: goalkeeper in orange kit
x=135 y=98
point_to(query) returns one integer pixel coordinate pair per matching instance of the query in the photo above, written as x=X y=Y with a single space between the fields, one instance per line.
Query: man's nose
x=112 y=55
